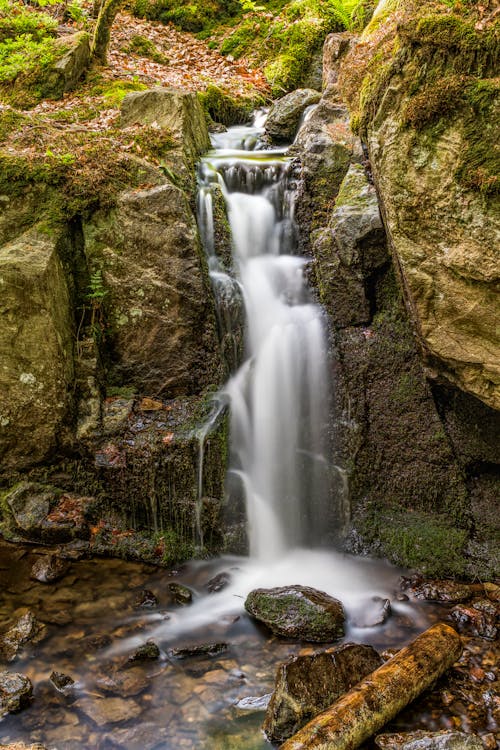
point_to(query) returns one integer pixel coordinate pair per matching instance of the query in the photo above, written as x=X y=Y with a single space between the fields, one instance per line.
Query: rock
x=163 y=335
x=145 y=599
x=469 y=619
x=443 y=591
x=49 y=569
x=173 y=109
x=218 y=582
x=298 y=612
x=203 y=649
x=35 y=381
x=433 y=160
x=335 y=48
x=116 y=415
x=373 y=613
x=26 y=630
x=306 y=685
x=149 y=651
x=259 y=703
x=104 y=711
x=284 y=116
x=180 y=594
x=22 y=746
x=62 y=682
x=126 y=683
x=422 y=740
x=350 y=250
x=15 y=692
x=68 y=69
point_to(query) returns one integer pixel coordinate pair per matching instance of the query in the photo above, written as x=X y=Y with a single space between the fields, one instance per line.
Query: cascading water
x=279 y=395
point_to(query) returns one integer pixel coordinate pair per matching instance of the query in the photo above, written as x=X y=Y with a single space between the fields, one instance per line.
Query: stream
x=98 y=615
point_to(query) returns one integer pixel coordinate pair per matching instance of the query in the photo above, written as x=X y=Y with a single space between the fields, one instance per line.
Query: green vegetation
x=144 y=47
x=188 y=16
x=222 y=107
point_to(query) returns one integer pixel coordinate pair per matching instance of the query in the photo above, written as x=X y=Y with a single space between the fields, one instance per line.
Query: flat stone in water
x=123 y=683
x=108 y=710
x=149 y=651
x=203 y=649
x=421 y=740
x=49 y=569
x=298 y=612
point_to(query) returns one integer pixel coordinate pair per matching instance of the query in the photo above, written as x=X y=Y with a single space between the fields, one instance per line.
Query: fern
x=349 y=13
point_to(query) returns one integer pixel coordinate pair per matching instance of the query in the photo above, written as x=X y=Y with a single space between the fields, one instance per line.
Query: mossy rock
x=298 y=612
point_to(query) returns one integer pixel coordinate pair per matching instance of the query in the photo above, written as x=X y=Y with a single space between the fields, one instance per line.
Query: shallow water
x=188 y=703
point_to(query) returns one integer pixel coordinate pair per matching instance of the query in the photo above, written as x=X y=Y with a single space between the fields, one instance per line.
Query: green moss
x=10 y=120
x=113 y=92
x=144 y=47
x=430 y=543
x=188 y=16
x=222 y=107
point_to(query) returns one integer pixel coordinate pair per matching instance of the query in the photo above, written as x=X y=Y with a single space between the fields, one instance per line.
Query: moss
x=188 y=16
x=113 y=92
x=10 y=120
x=430 y=543
x=144 y=47
x=222 y=107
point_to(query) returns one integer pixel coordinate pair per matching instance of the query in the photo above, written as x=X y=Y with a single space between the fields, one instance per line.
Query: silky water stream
x=279 y=399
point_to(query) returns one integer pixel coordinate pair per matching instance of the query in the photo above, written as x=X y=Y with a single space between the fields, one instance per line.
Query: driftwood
x=382 y=695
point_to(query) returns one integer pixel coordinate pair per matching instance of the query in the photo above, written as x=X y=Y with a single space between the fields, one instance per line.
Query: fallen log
x=381 y=695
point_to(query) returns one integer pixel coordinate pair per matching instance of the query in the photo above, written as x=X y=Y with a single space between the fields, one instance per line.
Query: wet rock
x=203 y=649
x=218 y=582
x=259 y=703
x=145 y=599
x=469 y=619
x=180 y=594
x=306 y=685
x=443 y=591
x=49 y=569
x=421 y=740
x=15 y=692
x=124 y=683
x=376 y=612
x=61 y=617
x=284 y=116
x=149 y=651
x=298 y=612
x=62 y=682
x=116 y=415
x=22 y=746
x=335 y=47
x=104 y=711
x=488 y=606
x=96 y=641
x=26 y=630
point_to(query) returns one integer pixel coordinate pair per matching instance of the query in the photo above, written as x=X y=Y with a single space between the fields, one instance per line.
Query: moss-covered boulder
x=36 y=350
x=174 y=109
x=70 y=66
x=284 y=116
x=159 y=309
x=298 y=612
x=422 y=89
x=308 y=684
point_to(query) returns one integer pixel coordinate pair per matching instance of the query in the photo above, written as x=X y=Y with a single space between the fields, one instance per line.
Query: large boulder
x=161 y=317
x=36 y=350
x=65 y=73
x=307 y=685
x=432 y=145
x=284 y=116
x=174 y=109
x=298 y=612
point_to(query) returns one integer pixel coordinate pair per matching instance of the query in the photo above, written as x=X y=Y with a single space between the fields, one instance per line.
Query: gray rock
x=421 y=740
x=35 y=380
x=145 y=599
x=335 y=48
x=68 y=69
x=375 y=612
x=149 y=651
x=15 y=692
x=180 y=594
x=298 y=612
x=178 y=110
x=43 y=513
x=284 y=116
x=62 y=682
x=443 y=591
x=307 y=685
x=26 y=630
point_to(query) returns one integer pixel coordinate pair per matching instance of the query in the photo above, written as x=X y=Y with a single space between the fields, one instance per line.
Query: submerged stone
x=307 y=685
x=124 y=683
x=145 y=600
x=218 y=582
x=298 y=612
x=15 y=692
x=49 y=569
x=62 y=682
x=104 y=711
x=27 y=629
x=422 y=740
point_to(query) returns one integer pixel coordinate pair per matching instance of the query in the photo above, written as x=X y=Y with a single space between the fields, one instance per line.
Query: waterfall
x=279 y=396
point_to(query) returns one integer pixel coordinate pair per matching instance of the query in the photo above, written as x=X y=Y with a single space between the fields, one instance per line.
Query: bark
x=102 y=31
x=382 y=695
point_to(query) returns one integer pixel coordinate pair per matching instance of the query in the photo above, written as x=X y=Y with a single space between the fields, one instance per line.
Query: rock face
x=163 y=328
x=431 y=145
x=307 y=685
x=284 y=116
x=15 y=692
x=298 y=612
x=35 y=380
x=177 y=110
